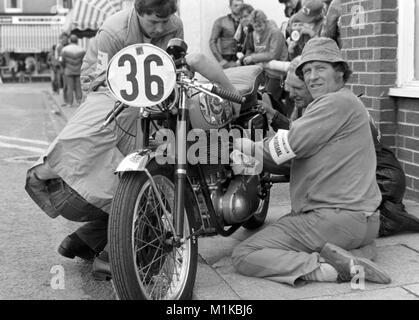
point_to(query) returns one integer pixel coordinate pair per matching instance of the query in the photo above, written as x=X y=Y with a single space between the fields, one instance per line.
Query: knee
x=239 y=255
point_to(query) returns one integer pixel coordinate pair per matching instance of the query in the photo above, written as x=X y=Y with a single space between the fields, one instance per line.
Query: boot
x=395 y=219
x=72 y=246
x=102 y=267
x=343 y=260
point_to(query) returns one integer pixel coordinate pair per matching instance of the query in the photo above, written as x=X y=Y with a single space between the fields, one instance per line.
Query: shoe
x=72 y=246
x=343 y=260
x=101 y=267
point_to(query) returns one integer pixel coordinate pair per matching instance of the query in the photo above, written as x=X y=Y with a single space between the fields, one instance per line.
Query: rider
x=334 y=193
x=75 y=178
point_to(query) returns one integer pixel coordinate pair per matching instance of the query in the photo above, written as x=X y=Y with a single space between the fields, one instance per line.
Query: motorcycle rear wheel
x=145 y=263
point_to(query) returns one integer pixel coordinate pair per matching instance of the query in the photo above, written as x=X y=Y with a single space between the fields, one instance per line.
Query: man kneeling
x=334 y=193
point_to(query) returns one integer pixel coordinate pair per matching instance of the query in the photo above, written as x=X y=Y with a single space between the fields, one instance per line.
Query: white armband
x=280 y=149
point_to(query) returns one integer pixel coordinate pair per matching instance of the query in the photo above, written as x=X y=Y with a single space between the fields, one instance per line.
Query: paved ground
x=398 y=255
x=33 y=257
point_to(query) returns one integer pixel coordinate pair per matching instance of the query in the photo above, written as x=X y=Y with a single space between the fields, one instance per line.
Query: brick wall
x=408 y=144
x=369 y=38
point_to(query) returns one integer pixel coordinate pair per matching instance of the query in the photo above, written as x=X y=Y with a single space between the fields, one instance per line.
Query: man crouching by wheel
x=75 y=178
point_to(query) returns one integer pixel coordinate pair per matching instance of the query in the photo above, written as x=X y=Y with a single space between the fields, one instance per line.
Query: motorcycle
x=161 y=208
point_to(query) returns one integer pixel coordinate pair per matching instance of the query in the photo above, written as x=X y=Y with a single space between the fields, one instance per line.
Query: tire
x=258 y=219
x=158 y=270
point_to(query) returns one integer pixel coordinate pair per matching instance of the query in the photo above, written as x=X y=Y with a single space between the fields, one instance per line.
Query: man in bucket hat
x=334 y=193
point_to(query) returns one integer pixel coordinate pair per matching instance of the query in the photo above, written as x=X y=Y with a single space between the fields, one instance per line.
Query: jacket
x=72 y=58
x=271 y=45
x=222 y=35
x=117 y=32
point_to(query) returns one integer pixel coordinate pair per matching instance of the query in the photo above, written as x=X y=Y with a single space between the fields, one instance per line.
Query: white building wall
x=198 y=17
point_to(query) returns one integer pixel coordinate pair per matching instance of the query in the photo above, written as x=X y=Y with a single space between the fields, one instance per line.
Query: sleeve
x=275 y=47
x=319 y=124
x=180 y=33
x=107 y=47
x=279 y=121
x=215 y=35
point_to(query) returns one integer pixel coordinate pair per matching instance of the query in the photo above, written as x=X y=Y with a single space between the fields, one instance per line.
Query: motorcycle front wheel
x=146 y=261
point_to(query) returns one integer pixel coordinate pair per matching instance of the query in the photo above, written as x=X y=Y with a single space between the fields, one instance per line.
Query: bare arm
x=210 y=69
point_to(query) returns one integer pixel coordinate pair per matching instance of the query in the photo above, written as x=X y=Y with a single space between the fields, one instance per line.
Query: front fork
x=181 y=163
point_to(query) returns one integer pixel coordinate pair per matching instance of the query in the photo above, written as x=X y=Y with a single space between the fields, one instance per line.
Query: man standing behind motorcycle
x=75 y=178
x=334 y=193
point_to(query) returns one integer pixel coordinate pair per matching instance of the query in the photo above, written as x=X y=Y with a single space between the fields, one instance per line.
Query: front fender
x=136 y=161
x=139 y=160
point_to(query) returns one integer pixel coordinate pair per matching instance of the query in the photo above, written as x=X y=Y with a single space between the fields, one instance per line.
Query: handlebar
x=229 y=95
x=214 y=91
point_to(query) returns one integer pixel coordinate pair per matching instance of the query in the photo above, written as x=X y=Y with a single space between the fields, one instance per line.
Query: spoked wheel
x=147 y=261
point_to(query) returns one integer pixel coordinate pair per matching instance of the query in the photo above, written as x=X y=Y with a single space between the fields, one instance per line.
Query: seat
x=246 y=79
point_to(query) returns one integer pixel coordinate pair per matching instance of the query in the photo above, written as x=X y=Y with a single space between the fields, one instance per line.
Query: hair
x=246 y=7
x=64 y=34
x=231 y=2
x=258 y=16
x=74 y=39
x=161 y=8
x=344 y=68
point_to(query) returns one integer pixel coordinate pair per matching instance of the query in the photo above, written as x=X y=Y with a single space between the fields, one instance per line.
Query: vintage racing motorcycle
x=168 y=195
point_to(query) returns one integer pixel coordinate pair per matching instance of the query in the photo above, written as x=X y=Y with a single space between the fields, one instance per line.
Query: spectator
x=222 y=42
x=13 y=66
x=72 y=59
x=54 y=65
x=21 y=69
x=269 y=44
x=244 y=34
x=304 y=25
x=63 y=41
x=331 y=27
x=291 y=7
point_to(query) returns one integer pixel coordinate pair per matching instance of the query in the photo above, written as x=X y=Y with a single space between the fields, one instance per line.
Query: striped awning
x=90 y=14
x=24 y=38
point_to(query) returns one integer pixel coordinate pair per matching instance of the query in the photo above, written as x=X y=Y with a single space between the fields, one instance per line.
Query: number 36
x=141 y=75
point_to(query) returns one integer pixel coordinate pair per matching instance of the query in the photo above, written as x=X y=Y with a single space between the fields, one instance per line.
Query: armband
x=280 y=149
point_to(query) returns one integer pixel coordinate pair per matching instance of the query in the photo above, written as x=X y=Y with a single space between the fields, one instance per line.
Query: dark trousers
x=73 y=87
x=74 y=207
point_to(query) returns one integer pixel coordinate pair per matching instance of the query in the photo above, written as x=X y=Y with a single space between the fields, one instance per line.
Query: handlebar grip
x=229 y=95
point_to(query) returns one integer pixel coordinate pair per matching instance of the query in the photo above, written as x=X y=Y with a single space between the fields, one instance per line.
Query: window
x=408 y=50
x=13 y=6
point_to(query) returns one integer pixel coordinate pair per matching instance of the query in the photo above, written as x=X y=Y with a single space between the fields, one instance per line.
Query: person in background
x=222 y=42
x=269 y=44
x=53 y=65
x=21 y=69
x=331 y=28
x=244 y=33
x=291 y=7
x=307 y=23
x=72 y=59
x=63 y=41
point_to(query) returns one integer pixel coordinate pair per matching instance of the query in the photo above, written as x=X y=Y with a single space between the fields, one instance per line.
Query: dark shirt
x=222 y=41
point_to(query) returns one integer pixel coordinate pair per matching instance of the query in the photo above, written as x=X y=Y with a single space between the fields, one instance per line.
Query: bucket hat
x=319 y=49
